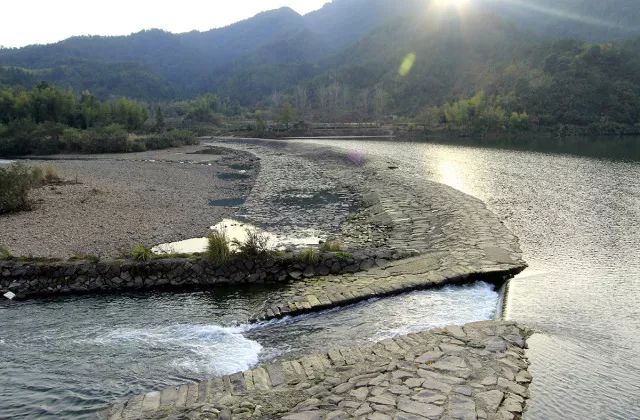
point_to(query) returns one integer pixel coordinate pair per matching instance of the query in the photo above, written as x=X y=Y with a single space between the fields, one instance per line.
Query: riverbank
x=476 y=371
x=121 y=200
x=362 y=204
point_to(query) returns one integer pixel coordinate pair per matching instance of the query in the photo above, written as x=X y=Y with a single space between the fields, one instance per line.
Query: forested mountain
x=187 y=63
x=342 y=23
x=343 y=61
x=592 y=20
x=460 y=54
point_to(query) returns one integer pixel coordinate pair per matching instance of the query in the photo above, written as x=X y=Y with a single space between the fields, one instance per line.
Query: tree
x=261 y=125
x=159 y=119
x=300 y=97
x=287 y=114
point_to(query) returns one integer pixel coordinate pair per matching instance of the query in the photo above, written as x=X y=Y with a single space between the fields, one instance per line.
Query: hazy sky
x=24 y=22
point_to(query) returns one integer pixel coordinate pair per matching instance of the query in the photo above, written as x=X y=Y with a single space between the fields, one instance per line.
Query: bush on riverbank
x=47 y=120
x=15 y=183
x=256 y=244
x=5 y=254
x=140 y=252
x=25 y=138
x=218 y=251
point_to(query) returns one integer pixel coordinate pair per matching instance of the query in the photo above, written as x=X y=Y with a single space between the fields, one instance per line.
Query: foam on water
x=80 y=353
x=236 y=231
x=203 y=349
x=451 y=305
x=377 y=319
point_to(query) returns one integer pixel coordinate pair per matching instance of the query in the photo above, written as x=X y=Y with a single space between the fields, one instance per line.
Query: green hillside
x=343 y=62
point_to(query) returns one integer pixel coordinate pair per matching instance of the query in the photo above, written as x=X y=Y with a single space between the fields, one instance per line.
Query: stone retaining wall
x=29 y=279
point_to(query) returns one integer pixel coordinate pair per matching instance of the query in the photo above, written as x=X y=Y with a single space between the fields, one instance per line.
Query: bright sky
x=24 y=22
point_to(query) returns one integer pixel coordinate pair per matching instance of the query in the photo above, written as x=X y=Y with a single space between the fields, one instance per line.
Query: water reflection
x=575 y=205
x=614 y=148
x=450 y=175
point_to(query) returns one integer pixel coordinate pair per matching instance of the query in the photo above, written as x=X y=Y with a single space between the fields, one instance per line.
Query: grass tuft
x=15 y=183
x=332 y=246
x=141 y=253
x=5 y=254
x=256 y=244
x=309 y=256
x=51 y=175
x=218 y=251
x=343 y=256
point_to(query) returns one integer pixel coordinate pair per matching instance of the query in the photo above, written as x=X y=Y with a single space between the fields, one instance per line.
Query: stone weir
x=452 y=237
x=478 y=371
x=408 y=233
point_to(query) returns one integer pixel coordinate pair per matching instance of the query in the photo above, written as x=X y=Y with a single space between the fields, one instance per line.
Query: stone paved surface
x=298 y=189
x=475 y=371
x=310 y=295
x=478 y=371
x=454 y=234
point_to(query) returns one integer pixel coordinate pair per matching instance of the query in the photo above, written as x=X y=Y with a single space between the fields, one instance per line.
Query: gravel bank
x=124 y=199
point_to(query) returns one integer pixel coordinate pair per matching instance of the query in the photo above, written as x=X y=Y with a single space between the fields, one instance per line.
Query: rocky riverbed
x=124 y=199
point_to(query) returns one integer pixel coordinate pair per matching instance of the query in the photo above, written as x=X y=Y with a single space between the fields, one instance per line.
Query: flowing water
x=69 y=357
x=577 y=214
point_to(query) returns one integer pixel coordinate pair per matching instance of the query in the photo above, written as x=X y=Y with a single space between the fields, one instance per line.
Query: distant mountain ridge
x=355 y=42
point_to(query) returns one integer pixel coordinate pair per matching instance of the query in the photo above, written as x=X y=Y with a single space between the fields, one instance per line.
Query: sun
x=446 y=4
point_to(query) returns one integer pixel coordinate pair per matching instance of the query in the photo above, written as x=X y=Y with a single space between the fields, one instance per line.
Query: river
x=576 y=209
x=577 y=218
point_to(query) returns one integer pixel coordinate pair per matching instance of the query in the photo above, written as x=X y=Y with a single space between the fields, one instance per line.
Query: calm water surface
x=578 y=219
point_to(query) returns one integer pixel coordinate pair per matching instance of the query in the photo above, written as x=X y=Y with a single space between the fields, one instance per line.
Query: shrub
x=141 y=253
x=343 y=256
x=5 y=254
x=110 y=139
x=170 y=138
x=37 y=175
x=218 y=251
x=74 y=140
x=51 y=175
x=332 y=246
x=255 y=245
x=15 y=183
x=309 y=256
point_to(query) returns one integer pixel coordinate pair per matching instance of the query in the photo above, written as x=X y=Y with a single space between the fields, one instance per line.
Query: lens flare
x=407 y=64
x=445 y=4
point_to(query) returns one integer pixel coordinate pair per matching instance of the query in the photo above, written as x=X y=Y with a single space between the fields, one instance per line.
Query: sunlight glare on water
x=577 y=220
